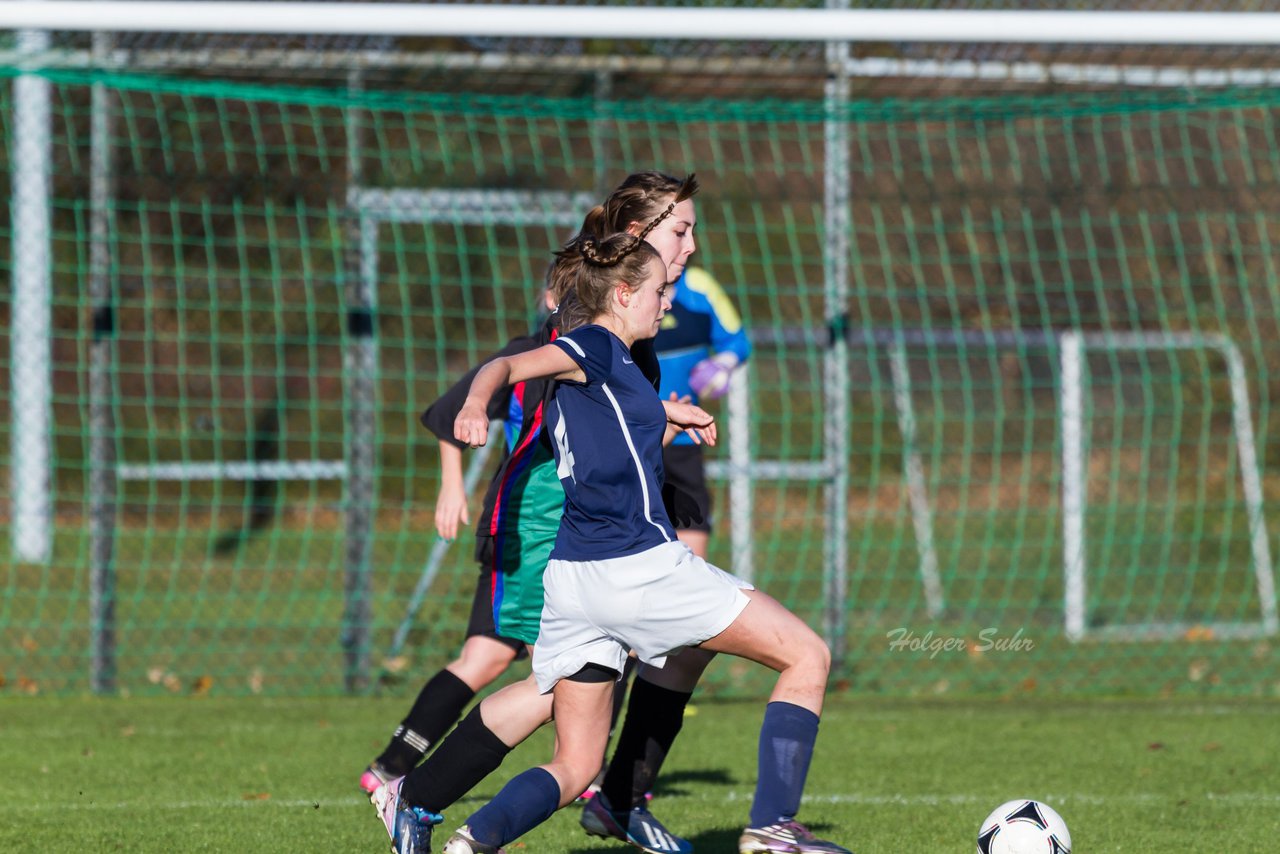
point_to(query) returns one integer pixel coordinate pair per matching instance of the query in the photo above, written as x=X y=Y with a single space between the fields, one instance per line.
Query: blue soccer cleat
x=643 y=830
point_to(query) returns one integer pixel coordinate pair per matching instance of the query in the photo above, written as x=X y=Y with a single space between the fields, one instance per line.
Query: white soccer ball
x=1024 y=827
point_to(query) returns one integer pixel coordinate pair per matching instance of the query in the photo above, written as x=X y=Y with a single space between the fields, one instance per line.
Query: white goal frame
x=1073 y=347
x=832 y=24
x=836 y=27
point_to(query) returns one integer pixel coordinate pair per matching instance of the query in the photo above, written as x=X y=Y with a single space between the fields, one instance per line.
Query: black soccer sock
x=438 y=707
x=654 y=718
x=470 y=753
x=620 y=692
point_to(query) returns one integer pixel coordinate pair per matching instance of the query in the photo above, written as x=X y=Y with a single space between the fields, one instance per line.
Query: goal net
x=1013 y=307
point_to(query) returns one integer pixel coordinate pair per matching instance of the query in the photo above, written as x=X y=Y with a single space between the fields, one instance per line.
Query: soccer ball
x=1024 y=827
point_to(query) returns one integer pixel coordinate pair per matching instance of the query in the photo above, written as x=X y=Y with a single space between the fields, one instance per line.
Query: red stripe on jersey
x=513 y=468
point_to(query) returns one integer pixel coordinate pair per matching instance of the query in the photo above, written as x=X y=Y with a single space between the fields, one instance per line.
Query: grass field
x=891 y=777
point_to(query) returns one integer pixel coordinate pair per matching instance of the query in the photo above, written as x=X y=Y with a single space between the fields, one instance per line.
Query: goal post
x=30 y=445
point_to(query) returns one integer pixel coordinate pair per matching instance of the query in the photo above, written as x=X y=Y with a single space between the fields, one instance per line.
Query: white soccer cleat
x=462 y=842
x=785 y=837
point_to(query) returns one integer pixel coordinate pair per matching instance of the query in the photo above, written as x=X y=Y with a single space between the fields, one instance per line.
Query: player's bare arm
x=451 y=503
x=549 y=362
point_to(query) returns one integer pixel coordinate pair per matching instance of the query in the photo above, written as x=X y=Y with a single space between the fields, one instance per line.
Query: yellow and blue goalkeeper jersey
x=702 y=321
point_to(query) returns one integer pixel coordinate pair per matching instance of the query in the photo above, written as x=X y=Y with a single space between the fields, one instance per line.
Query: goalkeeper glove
x=709 y=378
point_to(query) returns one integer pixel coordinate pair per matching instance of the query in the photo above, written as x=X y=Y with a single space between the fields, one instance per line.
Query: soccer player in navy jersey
x=645 y=202
x=619 y=580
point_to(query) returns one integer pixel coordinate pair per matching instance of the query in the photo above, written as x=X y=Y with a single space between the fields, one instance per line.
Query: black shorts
x=481 y=622
x=686 y=471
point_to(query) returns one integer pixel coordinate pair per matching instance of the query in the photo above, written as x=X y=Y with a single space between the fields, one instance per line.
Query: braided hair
x=588 y=269
x=648 y=197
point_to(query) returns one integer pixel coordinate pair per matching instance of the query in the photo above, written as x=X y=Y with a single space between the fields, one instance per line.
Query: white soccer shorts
x=655 y=602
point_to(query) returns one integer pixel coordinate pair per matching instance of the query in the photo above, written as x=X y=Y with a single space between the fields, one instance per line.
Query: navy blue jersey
x=607 y=435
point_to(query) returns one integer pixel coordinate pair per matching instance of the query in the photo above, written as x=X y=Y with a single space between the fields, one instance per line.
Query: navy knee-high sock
x=523 y=804
x=786 y=747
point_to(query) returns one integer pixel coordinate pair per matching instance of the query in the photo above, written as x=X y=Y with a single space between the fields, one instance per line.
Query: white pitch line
x=961 y=709
x=854 y=798
x=64 y=803
x=1119 y=712
x=1082 y=798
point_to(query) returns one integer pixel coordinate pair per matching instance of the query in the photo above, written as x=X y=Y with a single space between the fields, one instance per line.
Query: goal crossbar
x=723 y=24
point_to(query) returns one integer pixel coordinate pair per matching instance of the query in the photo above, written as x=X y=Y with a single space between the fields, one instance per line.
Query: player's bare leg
x=767 y=633
x=655 y=715
x=516 y=711
x=582 y=729
x=481 y=661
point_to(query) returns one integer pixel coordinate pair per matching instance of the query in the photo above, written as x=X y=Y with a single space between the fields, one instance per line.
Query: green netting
x=982 y=229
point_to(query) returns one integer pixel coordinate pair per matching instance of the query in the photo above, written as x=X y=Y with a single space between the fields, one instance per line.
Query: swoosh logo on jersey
x=627 y=361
